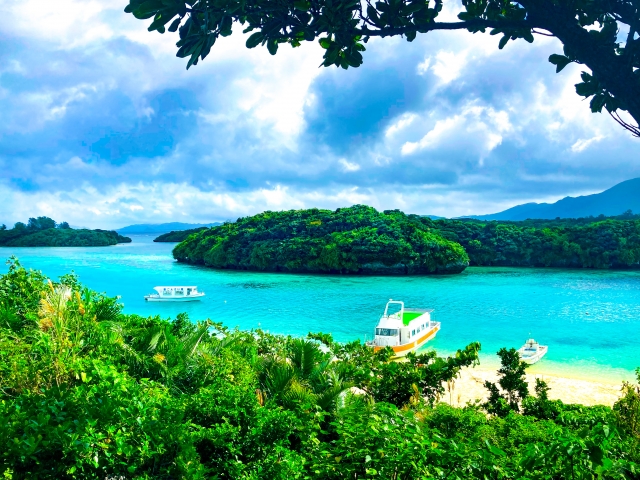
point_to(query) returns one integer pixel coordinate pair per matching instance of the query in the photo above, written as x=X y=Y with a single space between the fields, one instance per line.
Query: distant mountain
x=157 y=228
x=615 y=201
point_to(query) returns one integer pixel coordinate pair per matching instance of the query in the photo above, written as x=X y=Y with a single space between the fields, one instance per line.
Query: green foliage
x=575 y=243
x=588 y=29
x=513 y=385
x=627 y=409
x=358 y=239
x=178 y=235
x=43 y=232
x=89 y=392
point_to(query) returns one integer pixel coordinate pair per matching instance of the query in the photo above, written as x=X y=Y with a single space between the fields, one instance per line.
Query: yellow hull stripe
x=408 y=347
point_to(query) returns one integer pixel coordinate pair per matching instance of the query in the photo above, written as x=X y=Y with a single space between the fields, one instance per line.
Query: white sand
x=469 y=387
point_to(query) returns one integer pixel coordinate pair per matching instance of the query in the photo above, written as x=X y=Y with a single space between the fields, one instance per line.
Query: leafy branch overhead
x=600 y=34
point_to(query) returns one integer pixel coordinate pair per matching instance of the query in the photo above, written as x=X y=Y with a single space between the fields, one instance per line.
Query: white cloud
x=483 y=127
x=449 y=65
x=349 y=166
x=584 y=143
x=423 y=67
x=400 y=124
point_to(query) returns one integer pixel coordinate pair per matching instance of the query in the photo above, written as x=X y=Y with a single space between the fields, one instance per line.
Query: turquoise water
x=589 y=319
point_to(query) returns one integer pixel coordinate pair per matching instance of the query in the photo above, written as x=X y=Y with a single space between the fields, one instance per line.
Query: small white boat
x=532 y=351
x=174 y=294
x=404 y=330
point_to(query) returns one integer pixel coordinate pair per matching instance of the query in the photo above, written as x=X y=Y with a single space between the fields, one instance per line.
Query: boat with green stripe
x=403 y=329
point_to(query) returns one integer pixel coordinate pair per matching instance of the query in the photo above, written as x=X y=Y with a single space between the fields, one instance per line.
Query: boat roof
x=408 y=316
x=179 y=286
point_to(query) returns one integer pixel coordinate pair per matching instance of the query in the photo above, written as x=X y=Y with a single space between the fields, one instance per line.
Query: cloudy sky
x=102 y=126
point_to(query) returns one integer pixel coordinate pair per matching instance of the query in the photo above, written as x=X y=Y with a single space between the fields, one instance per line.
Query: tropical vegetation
x=87 y=391
x=360 y=239
x=357 y=239
x=602 y=35
x=575 y=243
x=177 y=235
x=45 y=232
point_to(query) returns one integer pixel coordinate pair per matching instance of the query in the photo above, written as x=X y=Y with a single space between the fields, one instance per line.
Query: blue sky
x=102 y=126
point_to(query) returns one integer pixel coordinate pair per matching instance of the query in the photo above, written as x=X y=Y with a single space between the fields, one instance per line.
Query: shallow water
x=589 y=319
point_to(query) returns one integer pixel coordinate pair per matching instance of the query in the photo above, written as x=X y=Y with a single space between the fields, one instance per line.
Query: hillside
x=159 y=228
x=44 y=232
x=177 y=236
x=567 y=243
x=352 y=240
x=614 y=201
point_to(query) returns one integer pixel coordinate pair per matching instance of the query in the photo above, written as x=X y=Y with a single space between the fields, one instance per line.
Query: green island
x=357 y=239
x=45 y=232
x=360 y=239
x=90 y=392
x=600 y=242
x=177 y=236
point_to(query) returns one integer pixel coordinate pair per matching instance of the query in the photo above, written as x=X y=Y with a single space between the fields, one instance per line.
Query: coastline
x=468 y=387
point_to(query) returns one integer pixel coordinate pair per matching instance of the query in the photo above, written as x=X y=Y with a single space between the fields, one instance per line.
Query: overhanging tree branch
x=466 y=25
x=588 y=30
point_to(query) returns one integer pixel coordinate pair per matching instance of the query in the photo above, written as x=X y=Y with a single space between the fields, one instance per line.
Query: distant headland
x=45 y=232
x=161 y=228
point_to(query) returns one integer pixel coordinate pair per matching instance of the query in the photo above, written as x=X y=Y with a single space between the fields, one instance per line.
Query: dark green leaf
x=254 y=40
x=560 y=61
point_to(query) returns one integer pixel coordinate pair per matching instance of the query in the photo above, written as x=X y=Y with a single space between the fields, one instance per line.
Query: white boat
x=532 y=351
x=403 y=329
x=174 y=294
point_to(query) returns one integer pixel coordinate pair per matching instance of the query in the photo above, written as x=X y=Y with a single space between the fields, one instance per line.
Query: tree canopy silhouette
x=600 y=34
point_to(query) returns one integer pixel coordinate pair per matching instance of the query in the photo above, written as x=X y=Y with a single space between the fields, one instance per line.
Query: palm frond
x=328 y=399
x=297 y=395
x=277 y=377
x=154 y=336
x=304 y=356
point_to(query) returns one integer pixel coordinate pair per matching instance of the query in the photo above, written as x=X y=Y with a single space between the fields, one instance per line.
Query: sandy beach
x=469 y=387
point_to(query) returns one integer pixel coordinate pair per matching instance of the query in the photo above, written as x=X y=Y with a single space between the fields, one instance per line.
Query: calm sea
x=589 y=319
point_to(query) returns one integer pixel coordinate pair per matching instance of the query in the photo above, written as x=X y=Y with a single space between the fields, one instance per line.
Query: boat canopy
x=397 y=316
x=176 y=290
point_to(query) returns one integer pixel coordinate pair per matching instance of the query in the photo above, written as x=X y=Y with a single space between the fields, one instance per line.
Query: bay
x=589 y=318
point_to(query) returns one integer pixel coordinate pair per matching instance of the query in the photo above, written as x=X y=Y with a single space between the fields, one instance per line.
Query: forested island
x=90 y=392
x=177 y=236
x=357 y=239
x=360 y=239
x=570 y=243
x=45 y=232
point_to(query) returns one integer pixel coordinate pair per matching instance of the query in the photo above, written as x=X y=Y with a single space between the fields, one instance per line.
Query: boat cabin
x=399 y=325
x=176 y=291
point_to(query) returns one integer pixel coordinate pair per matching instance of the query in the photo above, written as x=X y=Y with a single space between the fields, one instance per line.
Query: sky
x=102 y=126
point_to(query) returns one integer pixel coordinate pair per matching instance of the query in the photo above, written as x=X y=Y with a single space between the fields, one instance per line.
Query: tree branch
x=469 y=24
x=632 y=128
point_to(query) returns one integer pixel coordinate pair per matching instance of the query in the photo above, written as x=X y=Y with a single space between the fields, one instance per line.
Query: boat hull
x=155 y=298
x=531 y=359
x=402 y=350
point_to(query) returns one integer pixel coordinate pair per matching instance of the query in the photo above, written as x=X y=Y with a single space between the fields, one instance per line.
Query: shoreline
x=469 y=386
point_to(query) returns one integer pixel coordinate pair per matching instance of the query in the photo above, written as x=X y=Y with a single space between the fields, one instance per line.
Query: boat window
x=387 y=332
x=413 y=332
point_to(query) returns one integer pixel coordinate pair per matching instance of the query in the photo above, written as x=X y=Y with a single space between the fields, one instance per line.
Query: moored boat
x=403 y=329
x=531 y=352
x=174 y=294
